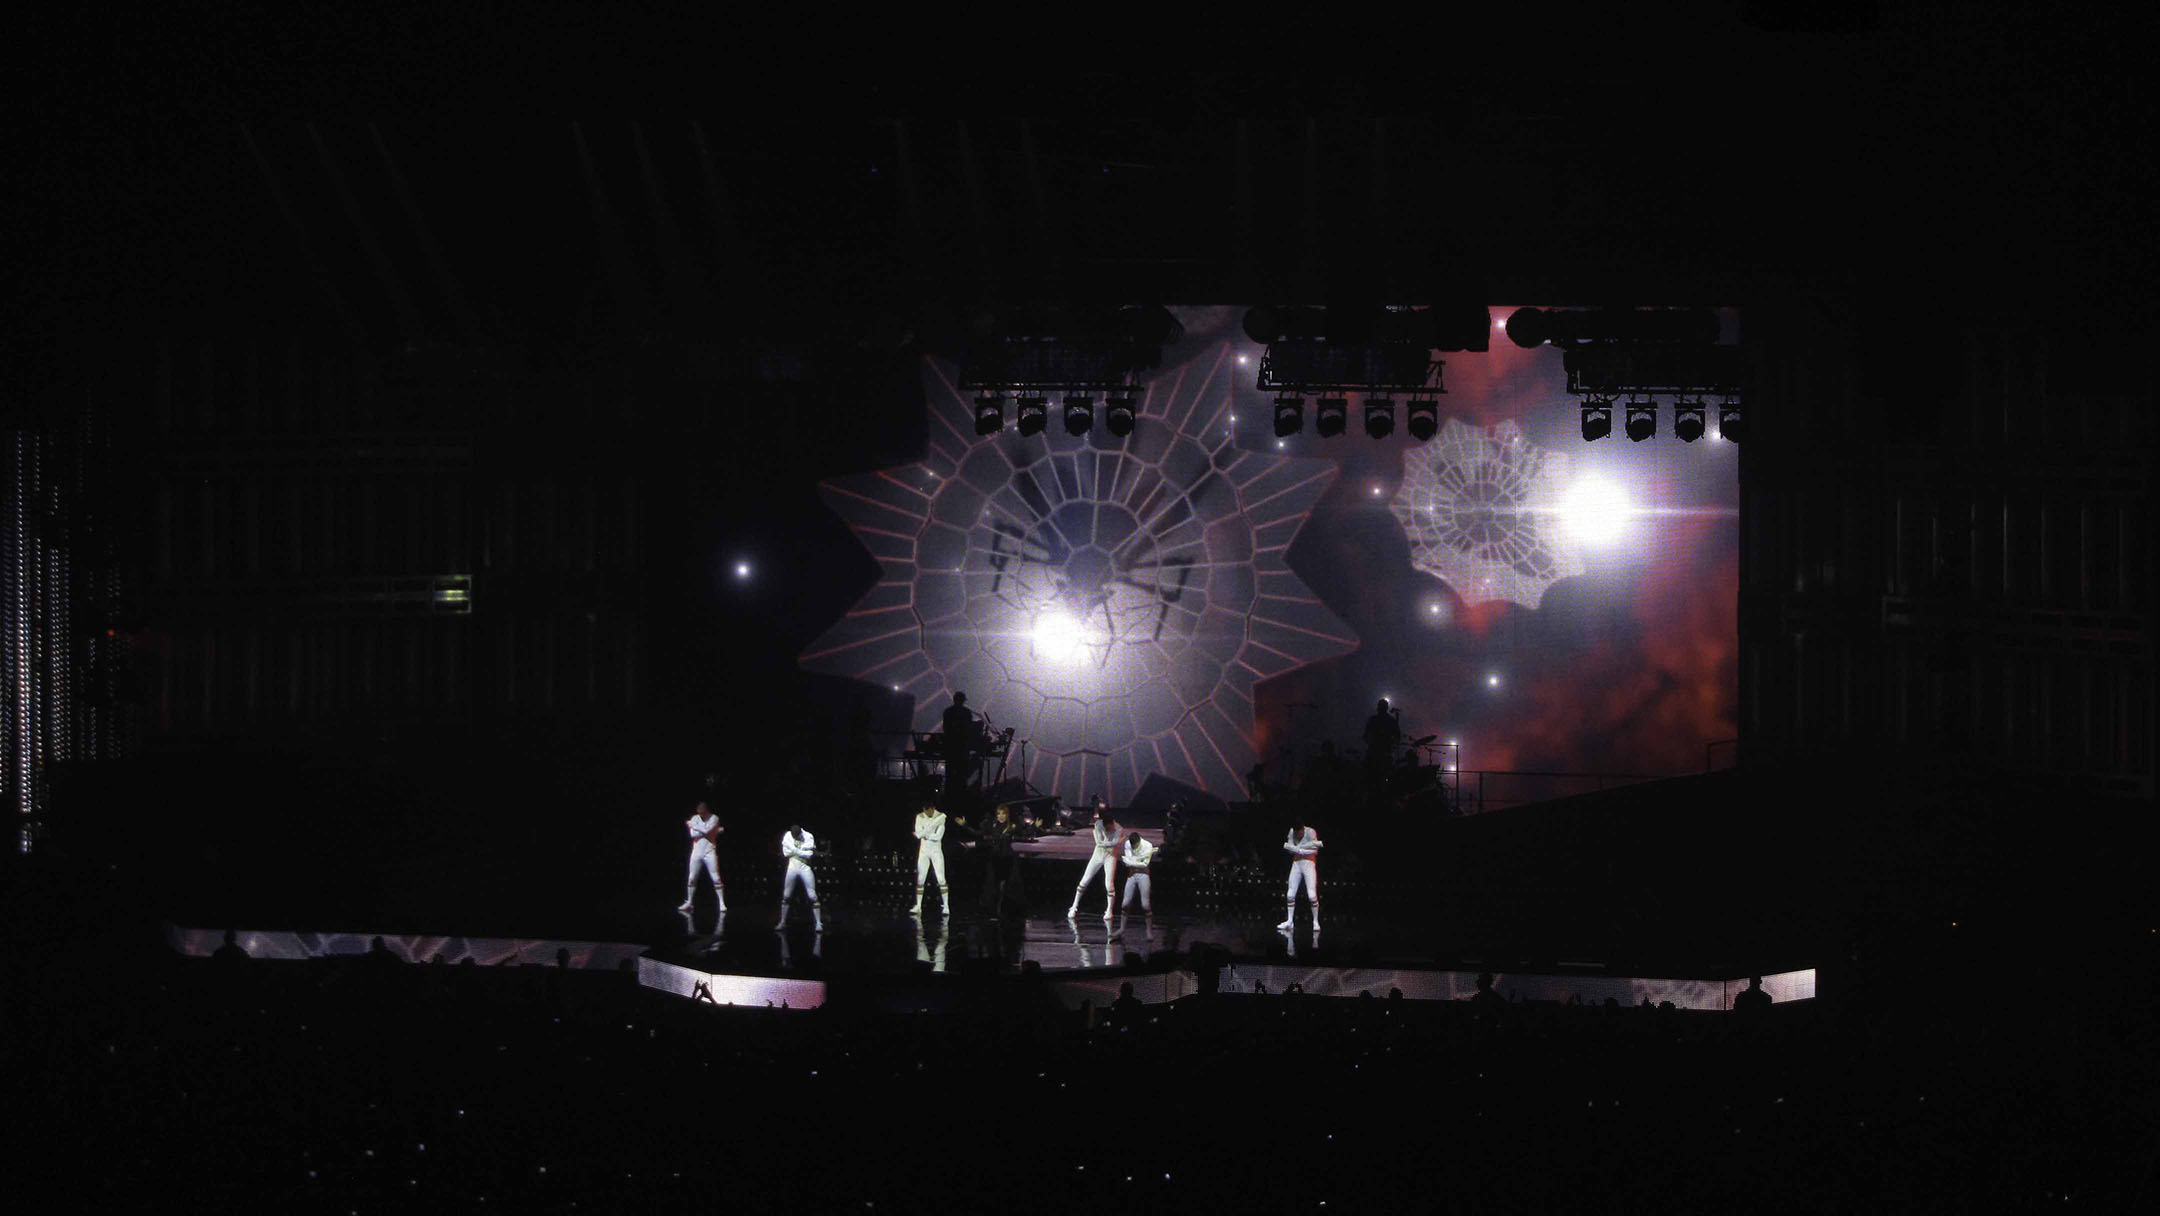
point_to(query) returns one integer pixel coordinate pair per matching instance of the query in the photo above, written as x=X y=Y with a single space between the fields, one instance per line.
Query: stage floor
x=879 y=942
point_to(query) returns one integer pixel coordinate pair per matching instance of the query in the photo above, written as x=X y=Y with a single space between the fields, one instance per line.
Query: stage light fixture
x=1379 y=417
x=1119 y=415
x=1596 y=419
x=989 y=414
x=1729 y=424
x=1687 y=420
x=1033 y=413
x=1641 y=420
x=1079 y=414
x=1424 y=420
x=1331 y=416
x=1289 y=416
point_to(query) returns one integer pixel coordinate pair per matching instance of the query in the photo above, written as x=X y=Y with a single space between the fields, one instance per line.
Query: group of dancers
x=1113 y=847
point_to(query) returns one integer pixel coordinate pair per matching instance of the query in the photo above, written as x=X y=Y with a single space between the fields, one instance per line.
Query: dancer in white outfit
x=798 y=846
x=930 y=856
x=1103 y=859
x=1304 y=847
x=1138 y=855
x=705 y=832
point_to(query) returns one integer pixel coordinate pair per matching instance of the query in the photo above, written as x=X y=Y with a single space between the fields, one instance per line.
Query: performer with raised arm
x=930 y=855
x=1303 y=845
x=798 y=846
x=705 y=832
x=1103 y=859
x=1138 y=855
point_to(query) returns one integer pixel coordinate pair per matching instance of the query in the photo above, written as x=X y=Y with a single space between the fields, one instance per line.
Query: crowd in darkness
x=363 y=1084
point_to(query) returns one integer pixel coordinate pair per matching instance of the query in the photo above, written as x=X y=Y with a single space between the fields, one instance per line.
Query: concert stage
x=886 y=959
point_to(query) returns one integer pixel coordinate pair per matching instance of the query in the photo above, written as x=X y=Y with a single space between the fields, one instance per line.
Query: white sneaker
x=1287 y=926
x=688 y=905
x=1072 y=911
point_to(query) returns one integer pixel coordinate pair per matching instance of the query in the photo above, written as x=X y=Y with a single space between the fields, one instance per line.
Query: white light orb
x=1058 y=638
x=1595 y=511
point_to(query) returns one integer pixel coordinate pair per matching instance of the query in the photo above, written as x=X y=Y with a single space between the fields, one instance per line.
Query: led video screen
x=1205 y=596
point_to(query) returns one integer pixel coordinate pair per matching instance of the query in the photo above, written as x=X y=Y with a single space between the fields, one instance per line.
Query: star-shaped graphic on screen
x=1113 y=601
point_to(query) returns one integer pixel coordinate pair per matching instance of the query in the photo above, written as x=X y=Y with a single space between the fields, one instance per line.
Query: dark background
x=323 y=299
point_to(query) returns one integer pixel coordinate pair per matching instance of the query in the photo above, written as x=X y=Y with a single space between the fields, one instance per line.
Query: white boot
x=817 y=919
x=1316 y=915
x=944 y=901
x=917 y=909
x=1075 y=909
x=720 y=893
x=689 y=900
x=1289 y=920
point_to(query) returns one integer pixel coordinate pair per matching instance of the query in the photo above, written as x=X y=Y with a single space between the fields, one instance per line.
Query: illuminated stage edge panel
x=407 y=947
x=1071 y=989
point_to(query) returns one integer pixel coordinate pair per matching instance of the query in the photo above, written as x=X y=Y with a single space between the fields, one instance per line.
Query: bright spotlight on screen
x=1595 y=511
x=742 y=569
x=1058 y=638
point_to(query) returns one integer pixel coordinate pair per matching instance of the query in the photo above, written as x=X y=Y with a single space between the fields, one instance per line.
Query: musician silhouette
x=961 y=740
x=1382 y=733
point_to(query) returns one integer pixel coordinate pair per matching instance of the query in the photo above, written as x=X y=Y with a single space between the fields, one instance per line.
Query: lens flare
x=1058 y=638
x=1595 y=511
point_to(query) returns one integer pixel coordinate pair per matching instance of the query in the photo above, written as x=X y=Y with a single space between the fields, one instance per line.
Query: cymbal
x=1420 y=742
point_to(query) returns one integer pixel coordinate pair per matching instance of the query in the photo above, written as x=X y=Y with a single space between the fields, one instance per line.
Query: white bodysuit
x=1104 y=859
x=798 y=852
x=1137 y=858
x=930 y=851
x=1303 y=866
x=702 y=852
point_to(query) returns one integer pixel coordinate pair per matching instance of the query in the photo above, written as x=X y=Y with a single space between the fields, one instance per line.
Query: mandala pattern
x=1481 y=506
x=1115 y=601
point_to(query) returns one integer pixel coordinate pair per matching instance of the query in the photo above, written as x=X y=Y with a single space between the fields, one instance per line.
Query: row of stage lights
x=1331 y=417
x=1032 y=411
x=1690 y=419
